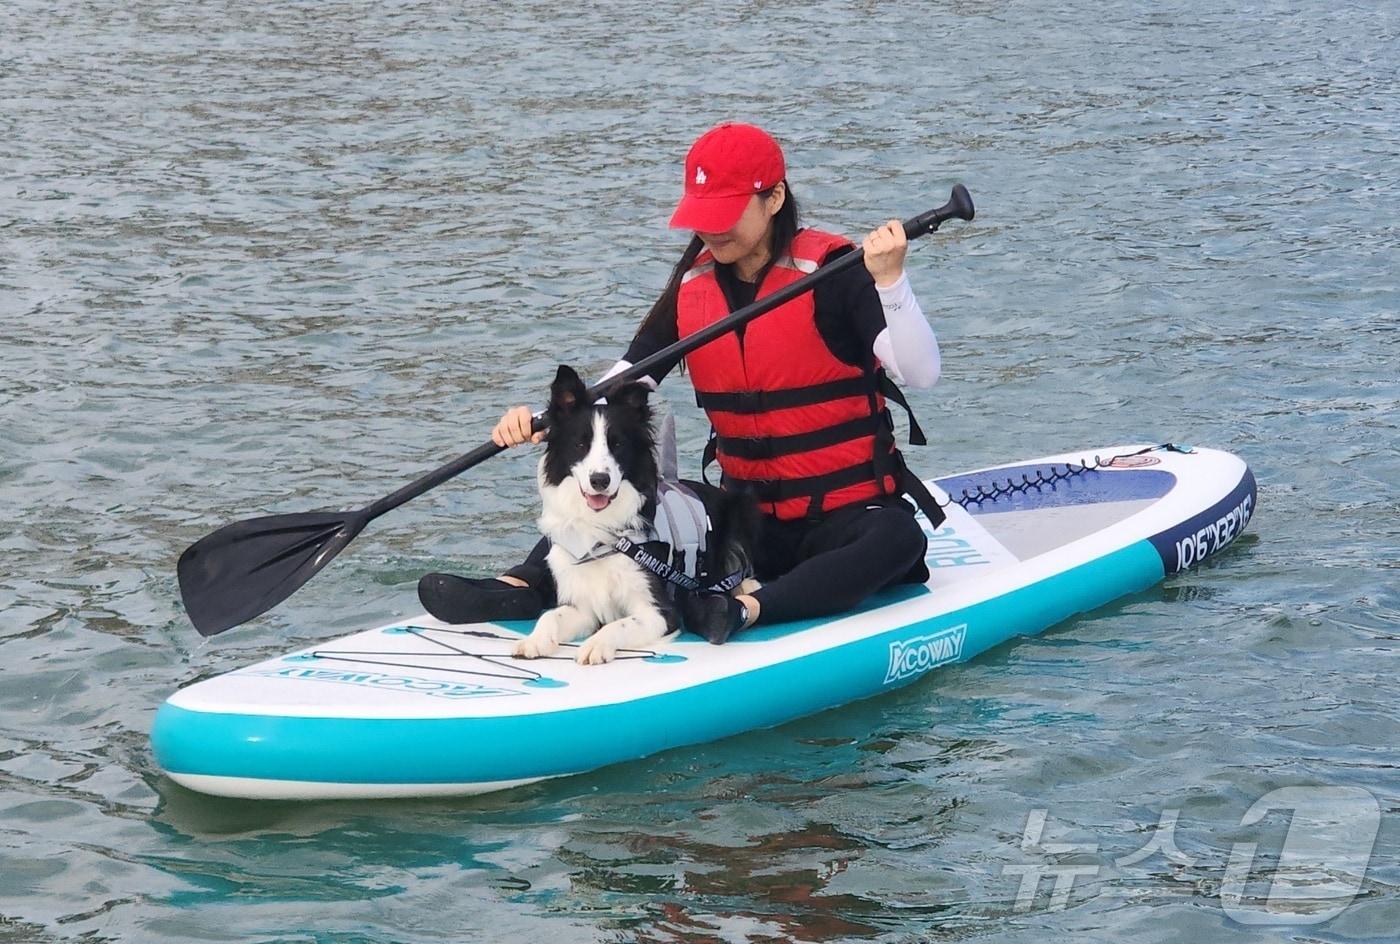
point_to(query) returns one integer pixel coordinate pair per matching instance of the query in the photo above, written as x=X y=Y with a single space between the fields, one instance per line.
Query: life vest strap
x=911 y=485
x=895 y=395
x=773 y=446
x=766 y=401
x=816 y=486
x=779 y=490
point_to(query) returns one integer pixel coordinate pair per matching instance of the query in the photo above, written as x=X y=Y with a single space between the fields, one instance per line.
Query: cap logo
x=700 y=177
x=758 y=185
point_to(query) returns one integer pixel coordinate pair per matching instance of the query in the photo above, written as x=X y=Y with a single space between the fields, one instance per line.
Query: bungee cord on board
x=401 y=660
x=1027 y=483
x=1041 y=480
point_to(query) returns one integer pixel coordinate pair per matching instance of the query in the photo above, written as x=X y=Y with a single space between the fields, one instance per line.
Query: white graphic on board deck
x=960 y=546
x=411 y=684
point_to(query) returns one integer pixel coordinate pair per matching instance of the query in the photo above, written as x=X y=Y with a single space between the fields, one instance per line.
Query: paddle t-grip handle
x=958 y=207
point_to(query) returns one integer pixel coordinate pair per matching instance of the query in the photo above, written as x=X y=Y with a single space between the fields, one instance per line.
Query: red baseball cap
x=726 y=166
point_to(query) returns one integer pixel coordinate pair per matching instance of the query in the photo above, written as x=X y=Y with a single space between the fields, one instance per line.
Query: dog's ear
x=567 y=393
x=632 y=397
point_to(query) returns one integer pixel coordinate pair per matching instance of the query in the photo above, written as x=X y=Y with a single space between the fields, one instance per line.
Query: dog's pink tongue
x=598 y=502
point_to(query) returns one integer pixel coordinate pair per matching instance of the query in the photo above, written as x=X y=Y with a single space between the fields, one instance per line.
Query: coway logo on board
x=910 y=657
x=405 y=683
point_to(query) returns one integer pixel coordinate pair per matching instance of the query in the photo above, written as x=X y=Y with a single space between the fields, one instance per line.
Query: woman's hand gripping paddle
x=246 y=568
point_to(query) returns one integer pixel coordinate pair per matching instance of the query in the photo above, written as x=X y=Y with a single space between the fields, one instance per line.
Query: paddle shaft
x=959 y=206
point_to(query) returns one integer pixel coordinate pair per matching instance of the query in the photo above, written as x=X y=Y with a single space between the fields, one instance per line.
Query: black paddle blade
x=246 y=568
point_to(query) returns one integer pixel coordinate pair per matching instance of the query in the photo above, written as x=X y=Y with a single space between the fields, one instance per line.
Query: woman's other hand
x=516 y=427
x=885 y=249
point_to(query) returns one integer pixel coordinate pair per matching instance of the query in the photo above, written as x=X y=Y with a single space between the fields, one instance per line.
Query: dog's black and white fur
x=598 y=481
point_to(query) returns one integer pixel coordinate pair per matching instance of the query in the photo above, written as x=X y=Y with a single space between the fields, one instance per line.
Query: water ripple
x=287 y=255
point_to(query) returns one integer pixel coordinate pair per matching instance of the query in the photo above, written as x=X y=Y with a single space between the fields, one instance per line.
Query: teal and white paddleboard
x=423 y=708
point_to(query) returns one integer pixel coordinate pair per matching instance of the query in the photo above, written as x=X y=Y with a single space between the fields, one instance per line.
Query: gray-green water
x=275 y=256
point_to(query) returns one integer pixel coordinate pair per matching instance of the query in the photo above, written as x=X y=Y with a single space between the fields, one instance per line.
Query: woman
x=796 y=399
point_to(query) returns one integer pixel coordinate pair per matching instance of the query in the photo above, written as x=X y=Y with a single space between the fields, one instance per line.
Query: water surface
x=278 y=255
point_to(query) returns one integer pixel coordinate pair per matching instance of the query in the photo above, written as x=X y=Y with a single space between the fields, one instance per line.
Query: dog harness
x=673 y=544
x=796 y=427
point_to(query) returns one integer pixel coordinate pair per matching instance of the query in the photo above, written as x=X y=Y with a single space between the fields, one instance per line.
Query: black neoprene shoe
x=454 y=599
x=716 y=616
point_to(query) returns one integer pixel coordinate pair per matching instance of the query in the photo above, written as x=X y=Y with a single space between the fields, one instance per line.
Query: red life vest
x=802 y=430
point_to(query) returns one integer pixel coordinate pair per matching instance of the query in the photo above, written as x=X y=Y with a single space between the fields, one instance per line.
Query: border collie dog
x=598 y=481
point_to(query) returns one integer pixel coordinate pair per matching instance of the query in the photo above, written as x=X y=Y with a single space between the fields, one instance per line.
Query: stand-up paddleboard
x=423 y=708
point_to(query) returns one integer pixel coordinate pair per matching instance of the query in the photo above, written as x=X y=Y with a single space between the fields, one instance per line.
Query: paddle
x=246 y=568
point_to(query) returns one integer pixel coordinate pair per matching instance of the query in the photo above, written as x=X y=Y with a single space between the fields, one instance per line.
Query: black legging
x=828 y=565
x=811 y=567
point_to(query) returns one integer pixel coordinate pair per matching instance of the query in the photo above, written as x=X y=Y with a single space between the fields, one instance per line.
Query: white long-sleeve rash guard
x=907 y=347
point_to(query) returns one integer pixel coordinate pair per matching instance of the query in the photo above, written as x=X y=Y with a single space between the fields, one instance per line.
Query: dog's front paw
x=535 y=646
x=543 y=641
x=596 y=649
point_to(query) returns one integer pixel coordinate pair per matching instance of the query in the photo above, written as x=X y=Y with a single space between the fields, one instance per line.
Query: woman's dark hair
x=785 y=227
